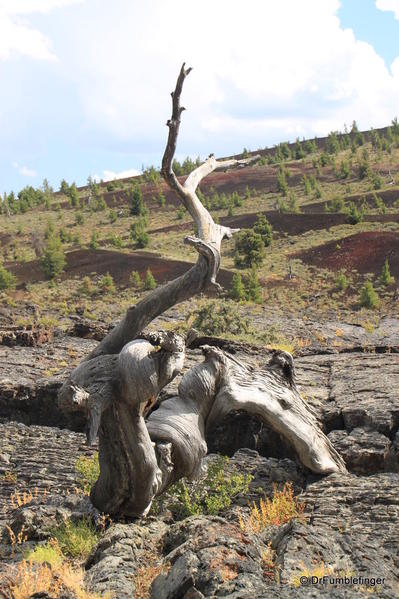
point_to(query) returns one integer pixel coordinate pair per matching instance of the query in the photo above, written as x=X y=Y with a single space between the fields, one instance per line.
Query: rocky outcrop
x=351 y=524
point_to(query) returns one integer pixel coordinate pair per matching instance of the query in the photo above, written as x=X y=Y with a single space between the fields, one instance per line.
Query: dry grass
x=282 y=508
x=145 y=575
x=28 y=578
x=18 y=499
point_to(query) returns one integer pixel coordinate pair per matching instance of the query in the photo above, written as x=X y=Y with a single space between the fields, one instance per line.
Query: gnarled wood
x=121 y=379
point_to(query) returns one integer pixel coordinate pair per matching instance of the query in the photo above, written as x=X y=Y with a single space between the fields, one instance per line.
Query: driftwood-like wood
x=122 y=377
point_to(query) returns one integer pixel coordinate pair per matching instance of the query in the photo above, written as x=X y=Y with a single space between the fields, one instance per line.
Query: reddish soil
x=87 y=262
x=363 y=252
x=291 y=224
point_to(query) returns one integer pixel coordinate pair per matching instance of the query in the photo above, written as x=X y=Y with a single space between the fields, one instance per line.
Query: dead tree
x=122 y=377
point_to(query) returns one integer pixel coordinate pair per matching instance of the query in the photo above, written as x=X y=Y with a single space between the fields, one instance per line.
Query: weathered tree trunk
x=123 y=376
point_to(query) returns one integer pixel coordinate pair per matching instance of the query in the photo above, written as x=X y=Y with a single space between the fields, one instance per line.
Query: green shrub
x=209 y=495
x=87 y=287
x=7 y=279
x=386 y=278
x=282 y=185
x=264 y=229
x=355 y=214
x=341 y=282
x=50 y=553
x=253 y=288
x=76 y=539
x=149 y=281
x=237 y=291
x=249 y=249
x=79 y=218
x=53 y=260
x=337 y=204
x=87 y=471
x=368 y=296
x=107 y=284
x=137 y=207
x=216 y=318
x=138 y=234
x=94 y=240
x=135 y=279
x=112 y=216
x=115 y=240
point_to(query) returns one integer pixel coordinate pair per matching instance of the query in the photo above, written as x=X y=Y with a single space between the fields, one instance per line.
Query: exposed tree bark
x=123 y=376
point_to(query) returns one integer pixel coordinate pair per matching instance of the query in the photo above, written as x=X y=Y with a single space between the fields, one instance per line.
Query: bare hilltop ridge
x=313 y=271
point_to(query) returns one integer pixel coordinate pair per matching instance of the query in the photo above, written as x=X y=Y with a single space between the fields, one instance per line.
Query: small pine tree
x=138 y=234
x=137 y=207
x=149 y=281
x=7 y=279
x=53 y=259
x=237 y=291
x=341 y=281
x=306 y=184
x=94 y=240
x=368 y=296
x=264 y=229
x=355 y=215
x=87 y=287
x=249 y=249
x=161 y=199
x=79 y=218
x=254 y=290
x=135 y=279
x=386 y=277
x=107 y=284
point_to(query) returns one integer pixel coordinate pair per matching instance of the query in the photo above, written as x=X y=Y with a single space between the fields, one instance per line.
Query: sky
x=85 y=84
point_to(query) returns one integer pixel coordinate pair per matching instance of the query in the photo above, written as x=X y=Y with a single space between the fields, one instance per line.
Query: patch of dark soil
x=290 y=224
x=364 y=252
x=86 y=262
x=5 y=239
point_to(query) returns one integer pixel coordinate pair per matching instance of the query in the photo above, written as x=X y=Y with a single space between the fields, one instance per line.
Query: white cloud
x=389 y=5
x=288 y=62
x=17 y=37
x=111 y=175
x=24 y=170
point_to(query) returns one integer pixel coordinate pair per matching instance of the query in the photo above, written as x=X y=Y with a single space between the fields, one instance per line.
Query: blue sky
x=85 y=87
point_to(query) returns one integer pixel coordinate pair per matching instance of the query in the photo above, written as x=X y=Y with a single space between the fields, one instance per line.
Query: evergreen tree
x=64 y=187
x=136 y=201
x=341 y=281
x=73 y=195
x=386 y=277
x=138 y=234
x=368 y=296
x=237 y=291
x=53 y=260
x=94 y=240
x=254 y=290
x=149 y=281
x=135 y=279
x=7 y=279
x=250 y=249
x=107 y=283
x=282 y=185
x=264 y=229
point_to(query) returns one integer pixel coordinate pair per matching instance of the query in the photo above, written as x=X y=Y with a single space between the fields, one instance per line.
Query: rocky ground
x=351 y=523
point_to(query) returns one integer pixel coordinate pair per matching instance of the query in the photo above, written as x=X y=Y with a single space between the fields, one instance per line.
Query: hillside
x=323 y=295
x=306 y=200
